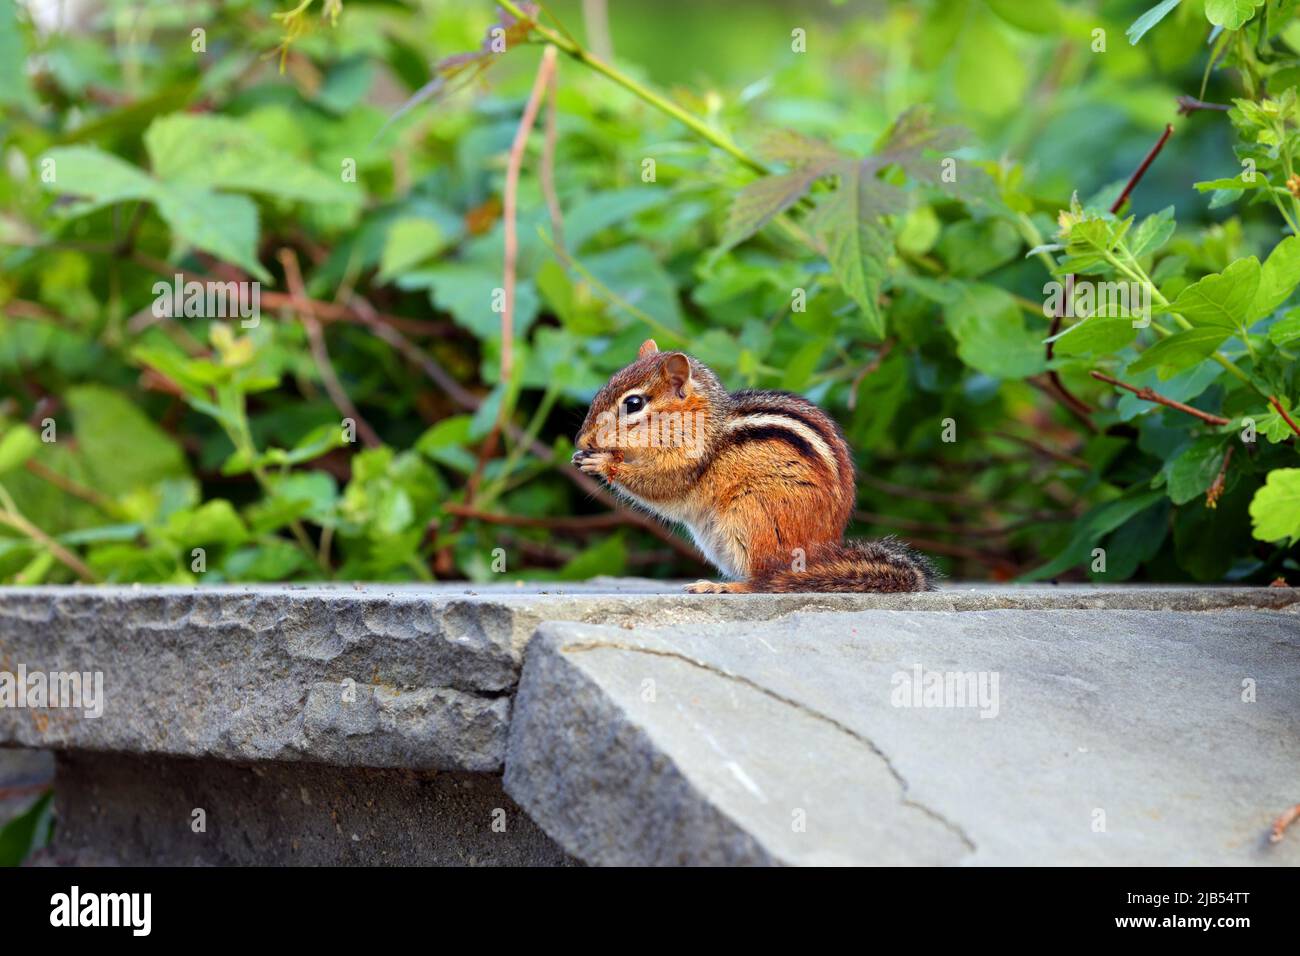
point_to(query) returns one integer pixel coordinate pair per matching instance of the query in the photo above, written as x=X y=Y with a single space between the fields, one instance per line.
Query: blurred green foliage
x=142 y=140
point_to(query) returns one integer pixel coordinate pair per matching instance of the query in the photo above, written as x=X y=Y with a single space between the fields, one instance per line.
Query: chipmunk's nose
x=586 y=442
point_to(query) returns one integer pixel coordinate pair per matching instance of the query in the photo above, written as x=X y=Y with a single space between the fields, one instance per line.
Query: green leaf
x=225 y=226
x=100 y=177
x=1223 y=300
x=763 y=200
x=15 y=87
x=1191 y=473
x=1181 y=350
x=1275 y=509
x=1231 y=14
x=213 y=522
x=1094 y=336
x=972 y=248
x=1040 y=16
x=1231 y=183
x=1092 y=527
x=410 y=240
x=1286 y=330
x=121 y=448
x=991 y=75
x=17 y=444
x=1278 y=278
x=467 y=291
x=1152 y=233
x=28 y=831
x=991 y=335
x=220 y=152
x=1142 y=24
x=856 y=243
x=608 y=557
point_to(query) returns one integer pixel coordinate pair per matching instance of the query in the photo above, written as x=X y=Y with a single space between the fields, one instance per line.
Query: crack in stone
x=871 y=745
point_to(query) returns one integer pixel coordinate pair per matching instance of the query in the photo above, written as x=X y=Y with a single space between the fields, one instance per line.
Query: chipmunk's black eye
x=633 y=404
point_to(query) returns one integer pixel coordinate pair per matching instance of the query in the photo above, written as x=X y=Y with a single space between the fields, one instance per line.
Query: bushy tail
x=885 y=564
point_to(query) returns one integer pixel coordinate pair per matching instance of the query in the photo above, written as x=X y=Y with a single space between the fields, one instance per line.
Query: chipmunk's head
x=664 y=404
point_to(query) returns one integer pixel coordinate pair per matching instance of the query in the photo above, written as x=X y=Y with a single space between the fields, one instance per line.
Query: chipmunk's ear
x=677 y=369
x=648 y=347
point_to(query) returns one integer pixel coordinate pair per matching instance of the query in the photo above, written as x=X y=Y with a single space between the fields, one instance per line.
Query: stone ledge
x=257 y=672
x=1125 y=699
x=780 y=742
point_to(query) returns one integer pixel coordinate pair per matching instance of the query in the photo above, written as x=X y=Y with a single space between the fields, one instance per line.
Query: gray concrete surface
x=1112 y=737
x=652 y=726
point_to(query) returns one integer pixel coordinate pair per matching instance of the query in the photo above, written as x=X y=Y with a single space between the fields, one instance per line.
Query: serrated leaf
x=1181 y=350
x=1234 y=182
x=1275 y=509
x=223 y=225
x=791 y=148
x=100 y=177
x=1224 y=299
x=1152 y=233
x=220 y=152
x=764 y=199
x=1278 y=277
x=856 y=244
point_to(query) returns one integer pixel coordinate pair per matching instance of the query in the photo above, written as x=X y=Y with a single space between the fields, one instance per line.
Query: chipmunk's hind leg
x=718 y=587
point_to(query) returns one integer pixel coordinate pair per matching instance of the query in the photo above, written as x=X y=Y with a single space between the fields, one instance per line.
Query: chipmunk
x=763 y=480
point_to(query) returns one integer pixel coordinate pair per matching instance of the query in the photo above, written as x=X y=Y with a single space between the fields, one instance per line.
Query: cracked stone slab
x=1144 y=737
x=411 y=676
x=269 y=674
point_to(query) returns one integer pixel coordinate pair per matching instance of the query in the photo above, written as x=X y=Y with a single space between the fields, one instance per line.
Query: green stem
x=572 y=49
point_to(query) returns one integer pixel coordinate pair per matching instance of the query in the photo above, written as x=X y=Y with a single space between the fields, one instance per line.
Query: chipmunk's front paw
x=601 y=464
x=716 y=587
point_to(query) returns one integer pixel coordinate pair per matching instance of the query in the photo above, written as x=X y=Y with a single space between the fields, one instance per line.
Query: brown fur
x=766 y=485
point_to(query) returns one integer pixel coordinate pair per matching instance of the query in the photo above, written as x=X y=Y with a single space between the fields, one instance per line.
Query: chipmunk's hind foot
x=717 y=587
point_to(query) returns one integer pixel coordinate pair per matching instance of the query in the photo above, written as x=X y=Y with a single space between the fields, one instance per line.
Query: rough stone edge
x=546 y=742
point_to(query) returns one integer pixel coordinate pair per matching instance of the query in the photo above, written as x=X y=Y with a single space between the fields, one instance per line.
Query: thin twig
x=510 y=203
x=1282 y=411
x=1061 y=456
x=16 y=521
x=870 y=368
x=1187 y=105
x=1147 y=394
x=320 y=353
x=1138 y=173
x=74 y=488
x=548 y=163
